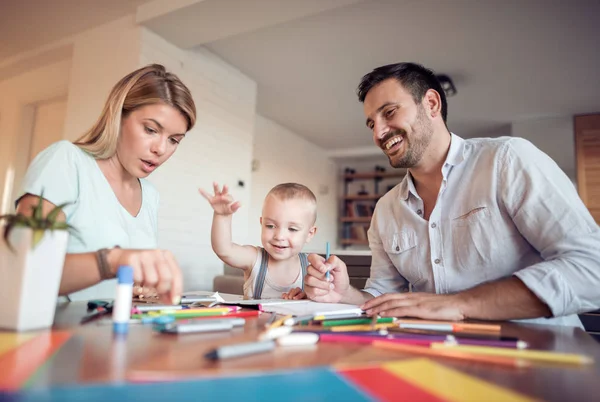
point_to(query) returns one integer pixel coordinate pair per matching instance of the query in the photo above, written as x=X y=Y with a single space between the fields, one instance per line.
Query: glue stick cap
x=125 y=274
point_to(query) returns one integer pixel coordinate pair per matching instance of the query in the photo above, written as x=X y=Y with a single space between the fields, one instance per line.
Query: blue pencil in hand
x=326 y=258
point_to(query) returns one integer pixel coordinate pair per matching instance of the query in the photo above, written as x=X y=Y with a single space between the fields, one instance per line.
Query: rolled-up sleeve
x=548 y=212
x=384 y=277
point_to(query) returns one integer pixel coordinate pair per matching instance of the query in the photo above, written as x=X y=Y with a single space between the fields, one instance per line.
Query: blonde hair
x=295 y=191
x=146 y=86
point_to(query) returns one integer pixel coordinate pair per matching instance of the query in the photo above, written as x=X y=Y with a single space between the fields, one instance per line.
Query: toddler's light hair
x=295 y=191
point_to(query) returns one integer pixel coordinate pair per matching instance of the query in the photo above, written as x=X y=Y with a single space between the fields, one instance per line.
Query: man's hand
x=317 y=287
x=294 y=294
x=221 y=202
x=428 y=306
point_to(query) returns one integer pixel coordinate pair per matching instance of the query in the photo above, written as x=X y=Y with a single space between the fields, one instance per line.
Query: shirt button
x=419 y=212
x=433 y=225
x=437 y=261
x=397 y=248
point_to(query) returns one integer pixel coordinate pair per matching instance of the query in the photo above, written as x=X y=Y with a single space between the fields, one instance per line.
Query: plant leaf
x=38 y=212
x=7 y=230
x=51 y=217
x=37 y=237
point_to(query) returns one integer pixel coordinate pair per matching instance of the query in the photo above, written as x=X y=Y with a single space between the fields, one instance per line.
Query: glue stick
x=122 y=306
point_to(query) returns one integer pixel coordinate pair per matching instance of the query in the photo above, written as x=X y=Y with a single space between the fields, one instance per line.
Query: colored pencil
x=504 y=361
x=335 y=316
x=457 y=325
x=279 y=322
x=250 y=313
x=364 y=327
x=326 y=258
x=428 y=339
x=538 y=355
x=201 y=310
x=356 y=321
x=335 y=338
x=475 y=335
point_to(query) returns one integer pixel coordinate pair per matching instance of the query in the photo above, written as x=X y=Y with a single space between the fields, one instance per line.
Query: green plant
x=37 y=222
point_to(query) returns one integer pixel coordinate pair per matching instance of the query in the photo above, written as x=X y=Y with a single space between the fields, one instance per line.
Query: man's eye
x=390 y=113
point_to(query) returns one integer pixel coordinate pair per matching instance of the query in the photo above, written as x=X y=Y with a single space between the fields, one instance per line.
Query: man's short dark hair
x=412 y=76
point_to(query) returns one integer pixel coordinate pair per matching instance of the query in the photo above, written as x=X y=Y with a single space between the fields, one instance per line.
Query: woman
x=102 y=175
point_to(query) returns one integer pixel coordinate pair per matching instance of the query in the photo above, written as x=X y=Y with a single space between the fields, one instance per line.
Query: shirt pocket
x=471 y=238
x=401 y=248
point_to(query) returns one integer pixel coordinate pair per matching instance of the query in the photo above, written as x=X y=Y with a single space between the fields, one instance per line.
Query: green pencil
x=356 y=321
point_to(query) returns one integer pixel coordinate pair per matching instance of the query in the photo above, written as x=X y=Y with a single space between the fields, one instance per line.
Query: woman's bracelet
x=103 y=266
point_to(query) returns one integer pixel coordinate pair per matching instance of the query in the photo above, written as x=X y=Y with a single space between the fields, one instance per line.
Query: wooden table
x=93 y=355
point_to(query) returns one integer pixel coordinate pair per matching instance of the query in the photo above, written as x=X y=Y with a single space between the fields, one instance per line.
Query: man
x=483 y=228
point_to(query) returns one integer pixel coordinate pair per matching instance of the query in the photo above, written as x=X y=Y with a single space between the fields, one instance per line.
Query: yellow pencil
x=539 y=355
x=454 y=354
x=279 y=322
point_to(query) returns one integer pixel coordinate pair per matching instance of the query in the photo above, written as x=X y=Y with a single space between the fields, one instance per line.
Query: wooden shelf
x=374 y=175
x=354 y=242
x=368 y=197
x=362 y=219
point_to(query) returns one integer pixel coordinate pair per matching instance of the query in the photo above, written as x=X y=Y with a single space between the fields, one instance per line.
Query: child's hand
x=222 y=202
x=294 y=294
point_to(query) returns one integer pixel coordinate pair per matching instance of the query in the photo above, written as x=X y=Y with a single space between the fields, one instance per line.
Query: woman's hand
x=294 y=294
x=221 y=202
x=155 y=271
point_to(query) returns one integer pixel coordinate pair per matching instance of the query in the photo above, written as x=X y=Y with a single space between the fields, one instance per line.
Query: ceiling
x=33 y=23
x=511 y=60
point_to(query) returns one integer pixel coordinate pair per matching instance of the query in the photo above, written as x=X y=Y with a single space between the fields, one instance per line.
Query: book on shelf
x=359 y=232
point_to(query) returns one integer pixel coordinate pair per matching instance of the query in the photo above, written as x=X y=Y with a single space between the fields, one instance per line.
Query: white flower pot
x=30 y=278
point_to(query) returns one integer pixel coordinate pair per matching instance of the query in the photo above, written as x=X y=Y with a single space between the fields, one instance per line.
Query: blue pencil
x=326 y=258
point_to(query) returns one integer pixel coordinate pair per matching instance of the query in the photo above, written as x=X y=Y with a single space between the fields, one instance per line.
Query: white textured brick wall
x=219 y=148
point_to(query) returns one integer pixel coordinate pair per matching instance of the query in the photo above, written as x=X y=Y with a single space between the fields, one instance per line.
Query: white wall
x=283 y=156
x=554 y=136
x=20 y=94
x=101 y=56
x=48 y=125
x=219 y=148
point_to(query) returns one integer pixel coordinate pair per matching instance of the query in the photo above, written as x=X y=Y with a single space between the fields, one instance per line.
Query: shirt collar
x=455 y=156
x=455 y=153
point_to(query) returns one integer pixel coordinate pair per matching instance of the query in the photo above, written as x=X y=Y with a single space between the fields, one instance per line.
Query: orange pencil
x=512 y=362
x=458 y=325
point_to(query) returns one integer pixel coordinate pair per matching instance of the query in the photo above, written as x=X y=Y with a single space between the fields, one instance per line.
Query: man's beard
x=415 y=144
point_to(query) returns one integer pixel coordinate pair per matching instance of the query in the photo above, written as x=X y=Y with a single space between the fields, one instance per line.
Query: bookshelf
x=361 y=192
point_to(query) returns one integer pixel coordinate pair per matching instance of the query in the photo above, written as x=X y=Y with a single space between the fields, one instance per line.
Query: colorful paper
x=450 y=384
x=20 y=363
x=319 y=384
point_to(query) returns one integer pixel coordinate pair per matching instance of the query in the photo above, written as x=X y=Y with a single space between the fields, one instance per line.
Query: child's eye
x=293 y=230
x=269 y=226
